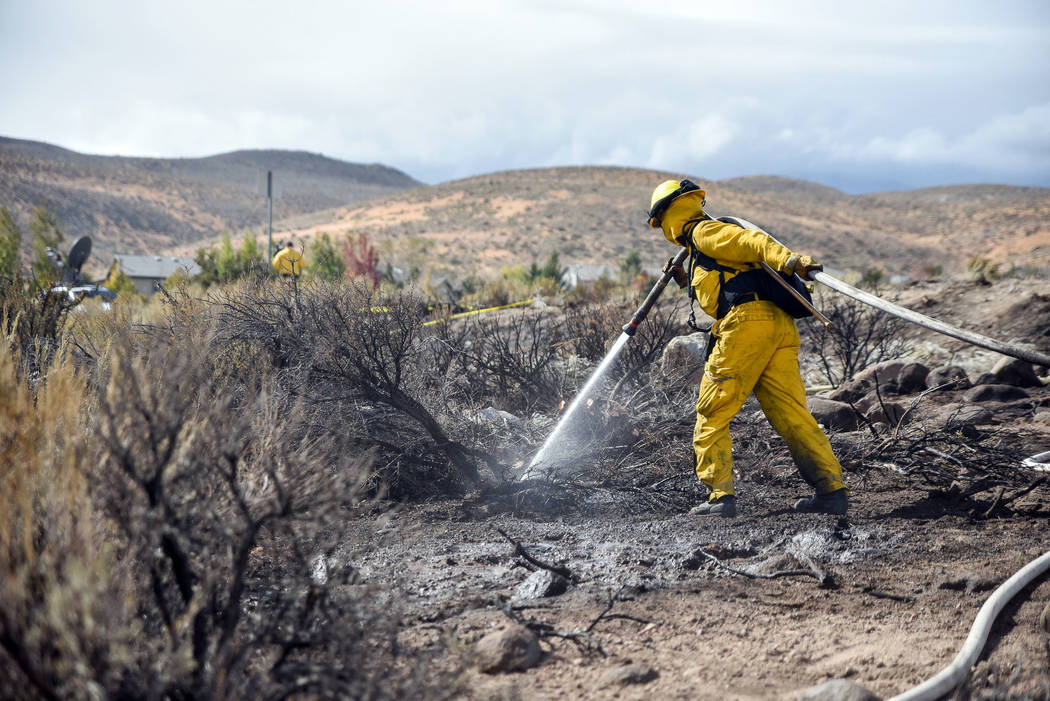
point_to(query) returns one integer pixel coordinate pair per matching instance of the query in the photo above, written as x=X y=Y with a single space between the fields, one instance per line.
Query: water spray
x=542 y=462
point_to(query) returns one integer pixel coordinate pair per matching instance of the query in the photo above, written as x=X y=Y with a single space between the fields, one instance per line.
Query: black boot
x=724 y=507
x=836 y=503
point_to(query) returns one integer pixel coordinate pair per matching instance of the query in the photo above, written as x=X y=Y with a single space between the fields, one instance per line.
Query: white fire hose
x=1031 y=356
x=945 y=681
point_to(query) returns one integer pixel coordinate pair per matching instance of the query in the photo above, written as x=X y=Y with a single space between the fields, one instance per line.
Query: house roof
x=159 y=267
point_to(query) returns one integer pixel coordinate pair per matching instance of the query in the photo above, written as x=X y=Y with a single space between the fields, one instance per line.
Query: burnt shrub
x=358 y=359
x=168 y=530
x=861 y=336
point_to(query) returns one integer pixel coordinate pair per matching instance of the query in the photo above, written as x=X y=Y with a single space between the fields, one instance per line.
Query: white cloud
x=456 y=88
x=1023 y=138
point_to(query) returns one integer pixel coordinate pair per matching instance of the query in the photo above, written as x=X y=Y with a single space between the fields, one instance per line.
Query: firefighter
x=288 y=262
x=755 y=349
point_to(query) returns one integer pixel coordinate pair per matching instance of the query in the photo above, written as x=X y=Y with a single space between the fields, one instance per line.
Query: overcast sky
x=861 y=96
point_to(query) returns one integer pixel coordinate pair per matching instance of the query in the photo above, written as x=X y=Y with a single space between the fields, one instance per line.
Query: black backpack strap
x=743 y=287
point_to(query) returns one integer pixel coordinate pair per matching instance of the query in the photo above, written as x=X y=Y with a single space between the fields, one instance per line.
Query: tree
x=631 y=267
x=46 y=234
x=119 y=283
x=249 y=257
x=325 y=262
x=552 y=268
x=227 y=264
x=10 y=244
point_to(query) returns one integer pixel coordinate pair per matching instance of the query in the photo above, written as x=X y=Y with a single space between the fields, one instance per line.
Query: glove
x=801 y=266
x=677 y=272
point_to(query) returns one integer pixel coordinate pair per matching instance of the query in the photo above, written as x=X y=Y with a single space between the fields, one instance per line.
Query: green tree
x=325 y=262
x=10 y=244
x=552 y=268
x=249 y=258
x=872 y=278
x=226 y=264
x=46 y=234
x=119 y=283
x=631 y=267
x=226 y=259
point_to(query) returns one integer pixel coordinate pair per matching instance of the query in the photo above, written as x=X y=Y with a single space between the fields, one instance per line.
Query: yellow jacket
x=730 y=246
x=288 y=261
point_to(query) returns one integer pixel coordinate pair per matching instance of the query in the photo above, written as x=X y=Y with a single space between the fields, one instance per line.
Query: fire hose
x=945 y=681
x=1031 y=356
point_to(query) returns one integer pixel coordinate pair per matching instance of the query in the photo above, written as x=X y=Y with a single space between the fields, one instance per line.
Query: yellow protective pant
x=757 y=350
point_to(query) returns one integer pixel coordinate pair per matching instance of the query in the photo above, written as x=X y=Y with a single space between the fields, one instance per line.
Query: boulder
x=540 y=584
x=838 y=690
x=963 y=416
x=628 y=674
x=684 y=355
x=946 y=374
x=985 y=378
x=886 y=371
x=846 y=393
x=835 y=415
x=864 y=381
x=912 y=378
x=512 y=649
x=1016 y=372
x=889 y=413
x=994 y=393
x=498 y=416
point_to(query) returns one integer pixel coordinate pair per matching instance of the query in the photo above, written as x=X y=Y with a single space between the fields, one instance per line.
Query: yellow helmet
x=666 y=193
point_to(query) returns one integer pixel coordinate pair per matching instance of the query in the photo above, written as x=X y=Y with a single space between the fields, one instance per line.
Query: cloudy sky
x=861 y=96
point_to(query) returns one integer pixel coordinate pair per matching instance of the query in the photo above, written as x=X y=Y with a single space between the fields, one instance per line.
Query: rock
x=498 y=416
x=509 y=650
x=985 y=378
x=846 y=393
x=912 y=378
x=540 y=584
x=889 y=413
x=836 y=415
x=838 y=690
x=994 y=393
x=684 y=355
x=886 y=371
x=1016 y=372
x=967 y=416
x=628 y=674
x=968 y=582
x=945 y=374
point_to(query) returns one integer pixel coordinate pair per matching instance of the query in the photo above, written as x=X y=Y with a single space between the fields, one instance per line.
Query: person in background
x=288 y=262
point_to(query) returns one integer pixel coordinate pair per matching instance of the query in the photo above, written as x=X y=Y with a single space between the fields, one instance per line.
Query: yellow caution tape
x=478 y=311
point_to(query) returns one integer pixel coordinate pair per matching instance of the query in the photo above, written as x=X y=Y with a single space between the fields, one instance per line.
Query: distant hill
x=597 y=214
x=586 y=214
x=145 y=205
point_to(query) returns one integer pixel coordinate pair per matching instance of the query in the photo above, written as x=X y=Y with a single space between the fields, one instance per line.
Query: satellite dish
x=79 y=253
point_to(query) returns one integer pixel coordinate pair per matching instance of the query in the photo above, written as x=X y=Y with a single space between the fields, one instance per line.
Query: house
x=147 y=271
x=575 y=274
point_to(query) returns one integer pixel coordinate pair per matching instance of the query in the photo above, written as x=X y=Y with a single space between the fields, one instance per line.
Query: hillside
x=586 y=214
x=144 y=205
x=597 y=214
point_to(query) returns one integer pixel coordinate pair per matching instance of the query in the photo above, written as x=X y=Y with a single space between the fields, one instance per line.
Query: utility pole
x=269 y=216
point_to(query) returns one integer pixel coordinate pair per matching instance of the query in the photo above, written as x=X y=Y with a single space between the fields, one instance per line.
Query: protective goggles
x=657 y=212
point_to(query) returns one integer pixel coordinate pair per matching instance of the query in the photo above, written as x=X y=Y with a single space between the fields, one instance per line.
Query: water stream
x=545 y=462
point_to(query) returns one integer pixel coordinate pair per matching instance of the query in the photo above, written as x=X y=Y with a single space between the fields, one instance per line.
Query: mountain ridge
x=136 y=204
x=588 y=214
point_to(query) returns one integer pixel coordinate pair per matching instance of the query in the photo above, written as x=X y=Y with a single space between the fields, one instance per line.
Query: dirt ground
x=906 y=578
x=884 y=597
